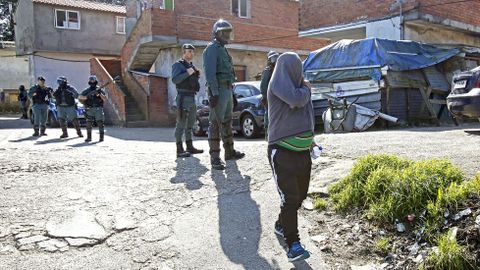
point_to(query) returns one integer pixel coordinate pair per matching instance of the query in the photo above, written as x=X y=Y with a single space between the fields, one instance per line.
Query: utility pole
x=399 y=5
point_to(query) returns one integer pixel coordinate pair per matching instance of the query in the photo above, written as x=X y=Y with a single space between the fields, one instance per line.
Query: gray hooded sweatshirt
x=290 y=109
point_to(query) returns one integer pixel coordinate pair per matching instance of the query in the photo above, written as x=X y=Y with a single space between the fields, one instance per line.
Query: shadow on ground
x=188 y=171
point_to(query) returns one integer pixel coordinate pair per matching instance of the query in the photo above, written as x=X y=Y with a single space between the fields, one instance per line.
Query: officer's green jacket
x=218 y=67
x=266 y=76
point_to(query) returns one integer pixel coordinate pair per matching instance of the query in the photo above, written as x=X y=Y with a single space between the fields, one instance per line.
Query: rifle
x=82 y=99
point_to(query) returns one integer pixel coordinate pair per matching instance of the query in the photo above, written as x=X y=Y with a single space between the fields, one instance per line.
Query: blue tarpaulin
x=394 y=54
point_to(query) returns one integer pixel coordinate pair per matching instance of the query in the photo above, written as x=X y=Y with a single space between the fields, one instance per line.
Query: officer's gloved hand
x=214 y=101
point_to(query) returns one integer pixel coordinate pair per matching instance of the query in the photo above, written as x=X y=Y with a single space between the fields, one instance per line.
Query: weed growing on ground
x=448 y=256
x=382 y=245
x=387 y=187
x=320 y=204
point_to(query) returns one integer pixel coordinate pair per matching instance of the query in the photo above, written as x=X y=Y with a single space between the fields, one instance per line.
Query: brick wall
x=321 y=13
x=158 y=102
x=273 y=23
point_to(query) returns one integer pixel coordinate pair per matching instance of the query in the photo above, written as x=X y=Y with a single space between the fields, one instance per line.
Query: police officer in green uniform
x=65 y=96
x=40 y=95
x=93 y=97
x=220 y=76
x=266 y=76
x=185 y=76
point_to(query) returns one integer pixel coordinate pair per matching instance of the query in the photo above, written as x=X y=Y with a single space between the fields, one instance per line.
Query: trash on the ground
x=414 y=249
x=325 y=248
x=446 y=214
x=477 y=222
x=400 y=227
x=308 y=204
x=370 y=266
x=411 y=218
x=462 y=214
x=356 y=228
x=452 y=234
x=320 y=238
x=420 y=258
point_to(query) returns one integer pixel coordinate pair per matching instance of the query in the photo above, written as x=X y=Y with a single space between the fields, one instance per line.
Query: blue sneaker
x=279 y=229
x=297 y=252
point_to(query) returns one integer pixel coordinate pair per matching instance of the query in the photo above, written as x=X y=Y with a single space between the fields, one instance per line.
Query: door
x=240 y=73
x=242 y=92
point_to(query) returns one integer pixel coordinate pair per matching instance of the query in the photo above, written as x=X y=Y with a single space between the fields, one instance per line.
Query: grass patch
x=448 y=256
x=386 y=187
x=382 y=245
x=320 y=204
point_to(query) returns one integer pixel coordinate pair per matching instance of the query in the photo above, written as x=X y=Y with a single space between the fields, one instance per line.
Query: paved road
x=127 y=203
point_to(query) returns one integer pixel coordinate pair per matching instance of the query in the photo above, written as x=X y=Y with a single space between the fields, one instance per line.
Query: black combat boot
x=42 y=131
x=63 y=126
x=101 y=129
x=35 y=131
x=217 y=163
x=180 y=152
x=89 y=135
x=76 y=124
x=192 y=150
x=232 y=154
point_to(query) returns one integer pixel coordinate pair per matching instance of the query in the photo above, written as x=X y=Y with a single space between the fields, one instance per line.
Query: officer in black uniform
x=272 y=57
x=23 y=100
x=40 y=95
x=65 y=96
x=93 y=98
x=185 y=76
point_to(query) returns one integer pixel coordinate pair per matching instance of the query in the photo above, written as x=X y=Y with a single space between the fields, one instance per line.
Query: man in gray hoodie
x=290 y=137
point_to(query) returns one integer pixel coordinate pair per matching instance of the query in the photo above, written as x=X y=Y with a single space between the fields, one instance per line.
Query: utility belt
x=224 y=84
x=185 y=93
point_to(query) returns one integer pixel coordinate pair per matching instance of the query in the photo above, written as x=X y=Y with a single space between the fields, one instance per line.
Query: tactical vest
x=41 y=94
x=92 y=99
x=191 y=83
x=68 y=95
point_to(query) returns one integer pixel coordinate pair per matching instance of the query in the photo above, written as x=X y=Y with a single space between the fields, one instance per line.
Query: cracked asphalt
x=127 y=203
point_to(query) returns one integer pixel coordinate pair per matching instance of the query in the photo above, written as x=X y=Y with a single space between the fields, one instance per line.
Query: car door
x=242 y=93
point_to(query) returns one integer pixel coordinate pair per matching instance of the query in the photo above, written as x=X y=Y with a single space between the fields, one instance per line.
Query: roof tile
x=85 y=5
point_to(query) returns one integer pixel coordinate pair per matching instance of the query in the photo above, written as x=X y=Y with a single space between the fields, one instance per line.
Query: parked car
x=464 y=98
x=247 y=115
x=52 y=119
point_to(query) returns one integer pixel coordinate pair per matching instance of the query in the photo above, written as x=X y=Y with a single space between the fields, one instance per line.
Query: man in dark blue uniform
x=185 y=76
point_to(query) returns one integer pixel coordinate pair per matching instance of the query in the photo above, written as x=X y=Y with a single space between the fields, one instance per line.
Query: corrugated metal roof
x=85 y=5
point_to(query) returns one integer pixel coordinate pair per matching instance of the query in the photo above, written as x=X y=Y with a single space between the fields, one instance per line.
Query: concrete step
x=137 y=124
x=135 y=117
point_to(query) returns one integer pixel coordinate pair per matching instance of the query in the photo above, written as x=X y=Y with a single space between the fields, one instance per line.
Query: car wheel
x=52 y=122
x=250 y=128
x=197 y=129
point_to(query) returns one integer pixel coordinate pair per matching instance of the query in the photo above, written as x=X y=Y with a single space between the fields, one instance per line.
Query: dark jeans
x=291 y=171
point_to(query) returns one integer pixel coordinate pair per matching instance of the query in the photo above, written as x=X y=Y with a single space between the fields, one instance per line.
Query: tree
x=7 y=10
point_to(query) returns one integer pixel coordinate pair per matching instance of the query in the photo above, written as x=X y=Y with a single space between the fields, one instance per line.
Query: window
x=120 y=25
x=241 y=8
x=242 y=91
x=167 y=4
x=67 y=19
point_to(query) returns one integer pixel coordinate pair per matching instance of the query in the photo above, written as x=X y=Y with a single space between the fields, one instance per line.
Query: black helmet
x=223 y=31
x=62 y=80
x=272 y=57
x=21 y=88
x=92 y=78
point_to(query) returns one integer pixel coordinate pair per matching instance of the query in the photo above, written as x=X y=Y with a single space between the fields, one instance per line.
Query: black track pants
x=291 y=171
